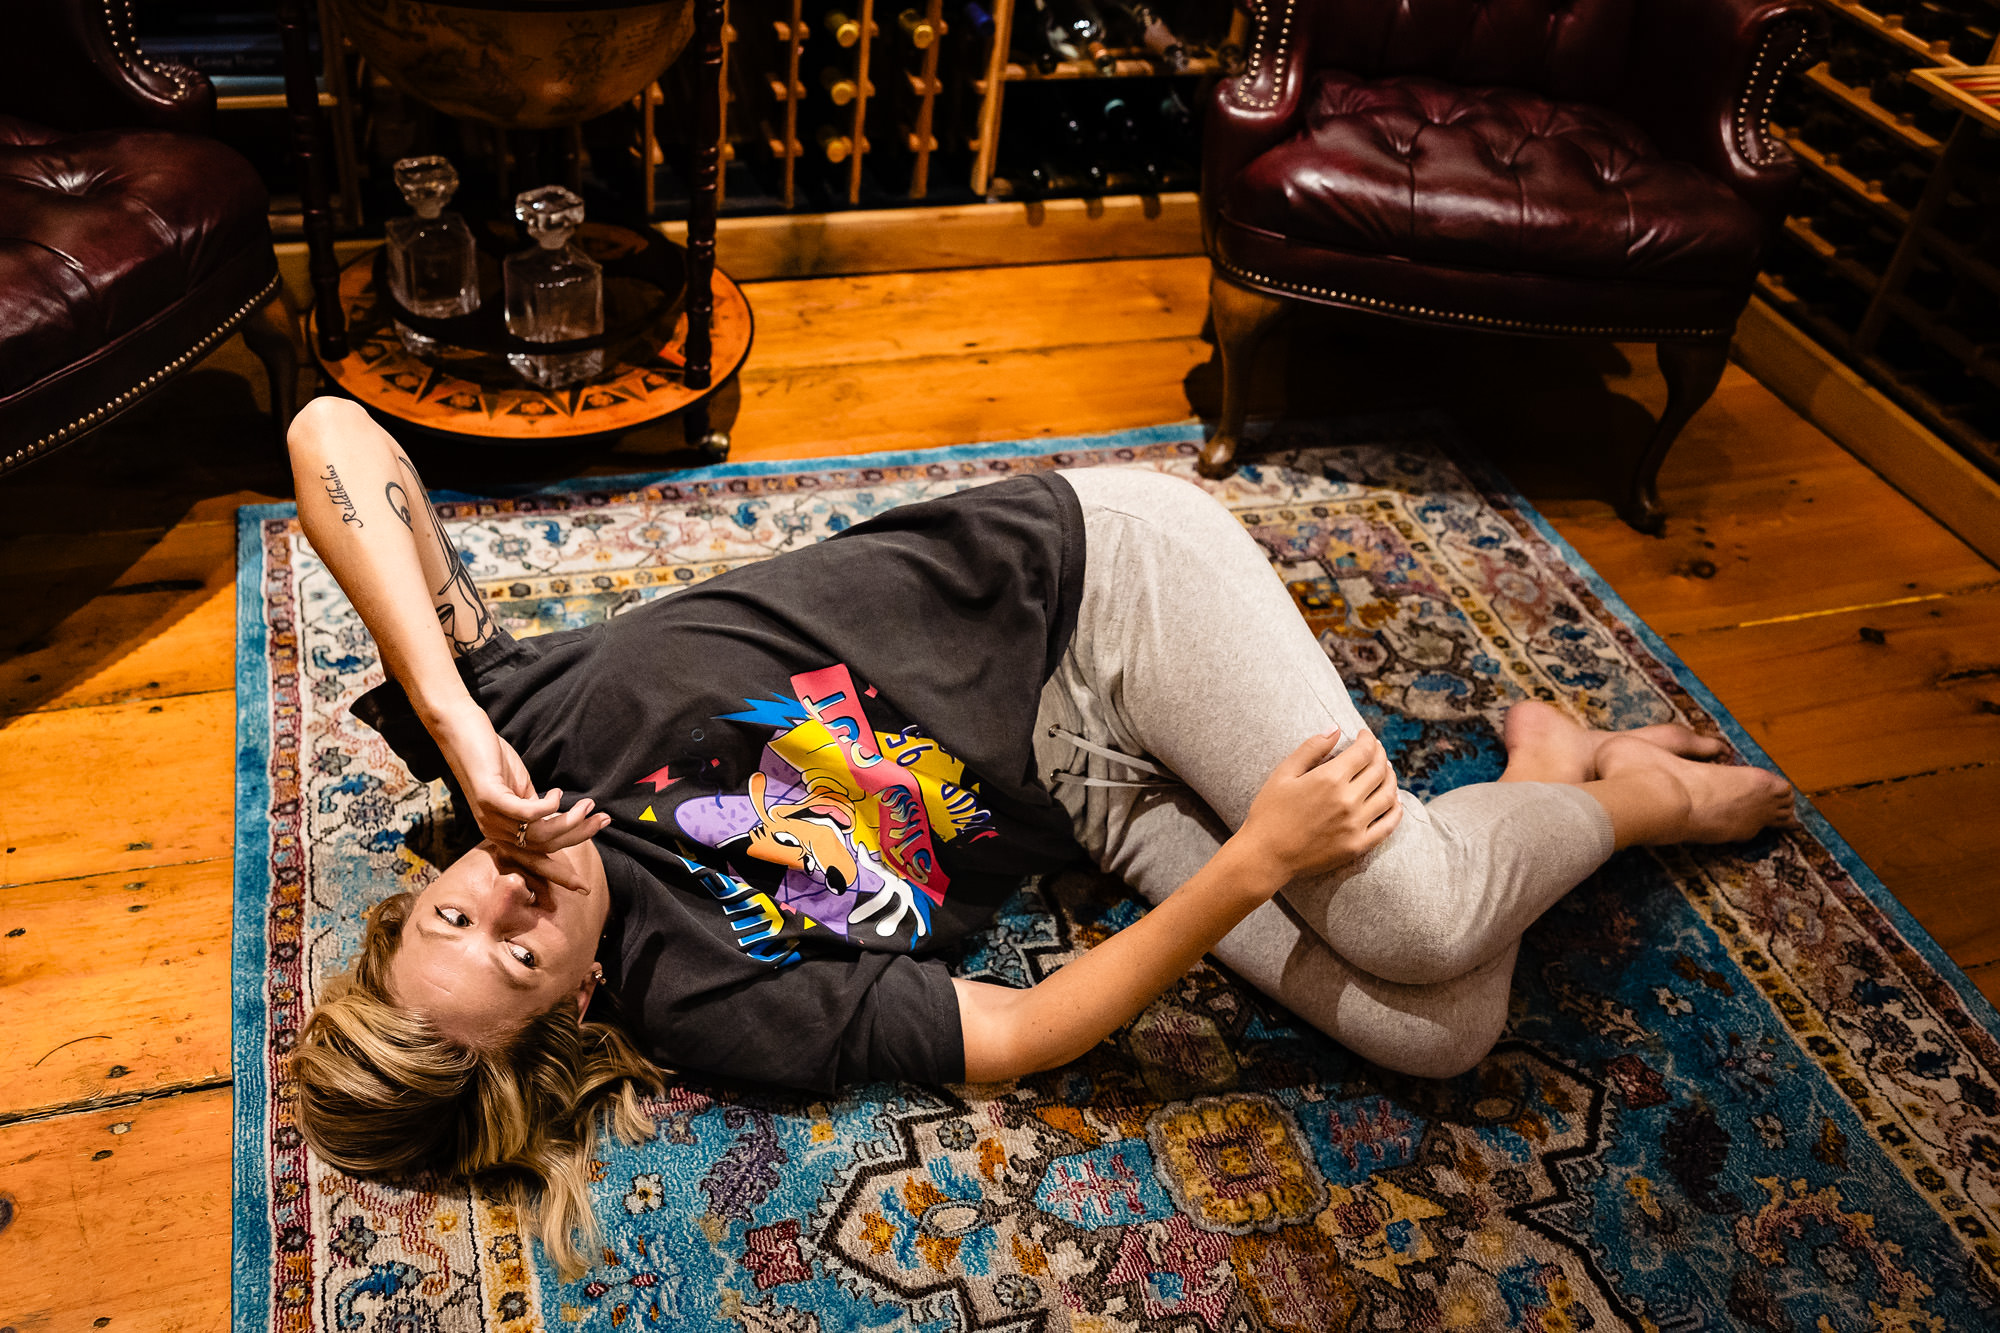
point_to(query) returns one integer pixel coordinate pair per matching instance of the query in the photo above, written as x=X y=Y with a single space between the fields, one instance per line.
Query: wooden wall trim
x=1817 y=385
x=902 y=240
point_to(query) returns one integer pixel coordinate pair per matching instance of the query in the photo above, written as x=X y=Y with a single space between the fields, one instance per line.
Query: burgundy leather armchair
x=130 y=245
x=1550 y=168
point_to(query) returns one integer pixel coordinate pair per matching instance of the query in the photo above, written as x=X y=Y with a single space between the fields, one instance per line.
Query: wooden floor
x=1857 y=640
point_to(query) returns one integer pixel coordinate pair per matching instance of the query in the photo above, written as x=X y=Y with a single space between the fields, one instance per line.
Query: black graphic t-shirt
x=820 y=772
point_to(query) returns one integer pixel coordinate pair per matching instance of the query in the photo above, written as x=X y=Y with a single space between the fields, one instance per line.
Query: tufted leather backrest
x=1570 y=49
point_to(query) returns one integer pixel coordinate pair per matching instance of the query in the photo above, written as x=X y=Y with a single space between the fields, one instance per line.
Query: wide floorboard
x=1857 y=640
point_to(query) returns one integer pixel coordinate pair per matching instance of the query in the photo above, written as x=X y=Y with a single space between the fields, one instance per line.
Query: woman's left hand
x=526 y=827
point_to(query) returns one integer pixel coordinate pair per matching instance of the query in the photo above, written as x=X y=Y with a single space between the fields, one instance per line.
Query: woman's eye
x=523 y=955
x=451 y=916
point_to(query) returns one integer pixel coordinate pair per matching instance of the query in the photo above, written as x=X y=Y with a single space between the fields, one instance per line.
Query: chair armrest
x=1253 y=111
x=1704 y=75
x=75 y=65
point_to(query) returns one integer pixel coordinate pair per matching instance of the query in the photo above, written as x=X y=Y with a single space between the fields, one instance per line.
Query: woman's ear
x=588 y=988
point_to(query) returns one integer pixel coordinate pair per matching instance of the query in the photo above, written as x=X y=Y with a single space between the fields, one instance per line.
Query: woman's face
x=488 y=944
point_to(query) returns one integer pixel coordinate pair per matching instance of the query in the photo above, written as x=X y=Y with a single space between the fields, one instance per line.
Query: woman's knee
x=1448 y=1044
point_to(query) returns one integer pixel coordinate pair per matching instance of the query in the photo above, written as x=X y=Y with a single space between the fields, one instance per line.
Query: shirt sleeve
x=823 y=1023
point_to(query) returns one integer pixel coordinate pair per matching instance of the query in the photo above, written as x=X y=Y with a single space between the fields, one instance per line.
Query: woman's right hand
x=1315 y=814
x=502 y=796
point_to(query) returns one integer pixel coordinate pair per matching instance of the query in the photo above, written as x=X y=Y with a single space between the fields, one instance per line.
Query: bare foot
x=1545 y=744
x=1725 y=802
x=1673 y=738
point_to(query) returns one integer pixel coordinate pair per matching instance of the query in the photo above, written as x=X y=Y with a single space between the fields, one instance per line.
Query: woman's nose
x=511 y=893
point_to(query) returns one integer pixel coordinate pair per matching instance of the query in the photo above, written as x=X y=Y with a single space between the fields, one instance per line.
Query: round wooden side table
x=476 y=395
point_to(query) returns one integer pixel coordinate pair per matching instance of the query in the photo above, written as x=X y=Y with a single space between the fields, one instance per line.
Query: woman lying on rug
x=778 y=794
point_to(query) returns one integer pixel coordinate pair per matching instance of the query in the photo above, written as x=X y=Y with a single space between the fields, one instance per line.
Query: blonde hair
x=381 y=1092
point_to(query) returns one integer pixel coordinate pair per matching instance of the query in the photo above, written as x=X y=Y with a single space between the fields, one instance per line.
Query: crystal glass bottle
x=433 y=264
x=554 y=292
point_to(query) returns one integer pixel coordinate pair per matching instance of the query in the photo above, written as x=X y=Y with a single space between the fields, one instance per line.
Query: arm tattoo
x=458 y=586
x=336 y=491
x=399 y=502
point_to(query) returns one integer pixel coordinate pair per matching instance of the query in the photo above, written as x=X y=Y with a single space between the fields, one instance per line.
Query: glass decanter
x=554 y=292
x=433 y=263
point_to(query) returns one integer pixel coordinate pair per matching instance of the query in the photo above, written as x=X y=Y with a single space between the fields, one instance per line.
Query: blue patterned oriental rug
x=1740 y=1089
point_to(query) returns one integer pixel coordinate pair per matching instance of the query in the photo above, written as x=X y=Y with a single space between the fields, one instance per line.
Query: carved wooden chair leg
x=1692 y=370
x=272 y=334
x=1241 y=317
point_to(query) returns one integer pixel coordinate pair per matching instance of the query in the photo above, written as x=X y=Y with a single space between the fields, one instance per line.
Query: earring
x=597 y=971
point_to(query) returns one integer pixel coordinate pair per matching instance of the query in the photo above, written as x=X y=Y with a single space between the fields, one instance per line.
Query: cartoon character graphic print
x=851 y=817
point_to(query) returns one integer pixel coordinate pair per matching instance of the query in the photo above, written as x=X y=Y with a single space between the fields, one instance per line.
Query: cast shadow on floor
x=1555 y=415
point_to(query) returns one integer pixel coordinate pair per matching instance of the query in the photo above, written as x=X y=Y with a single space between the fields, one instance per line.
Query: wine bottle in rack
x=845 y=30
x=1175 y=133
x=1154 y=34
x=1128 y=146
x=1024 y=162
x=1032 y=41
x=1075 y=31
x=836 y=146
x=920 y=30
x=839 y=85
x=1027 y=178
x=1075 y=150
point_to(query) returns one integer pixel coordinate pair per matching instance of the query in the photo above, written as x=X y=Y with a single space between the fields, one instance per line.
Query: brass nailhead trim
x=201 y=348
x=1751 y=139
x=1458 y=317
x=122 y=35
x=1280 y=50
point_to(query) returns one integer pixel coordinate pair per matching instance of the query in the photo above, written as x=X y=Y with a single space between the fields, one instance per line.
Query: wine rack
x=1891 y=256
x=841 y=103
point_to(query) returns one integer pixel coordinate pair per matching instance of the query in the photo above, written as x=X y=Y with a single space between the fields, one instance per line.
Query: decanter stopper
x=551 y=215
x=427 y=183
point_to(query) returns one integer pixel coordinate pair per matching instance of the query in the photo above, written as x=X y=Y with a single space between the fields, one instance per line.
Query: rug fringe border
x=250 y=1213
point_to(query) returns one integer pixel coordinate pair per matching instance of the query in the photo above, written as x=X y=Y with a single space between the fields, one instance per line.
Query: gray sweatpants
x=1190 y=655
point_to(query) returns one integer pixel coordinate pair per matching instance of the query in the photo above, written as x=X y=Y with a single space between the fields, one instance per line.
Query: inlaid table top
x=477 y=394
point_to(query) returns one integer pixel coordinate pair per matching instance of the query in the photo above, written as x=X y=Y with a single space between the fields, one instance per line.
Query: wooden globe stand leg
x=699 y=353
x=698 y=429
x=302 y=105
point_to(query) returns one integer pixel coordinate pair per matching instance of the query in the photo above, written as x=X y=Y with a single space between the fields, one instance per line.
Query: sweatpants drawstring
x=1159 y=778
